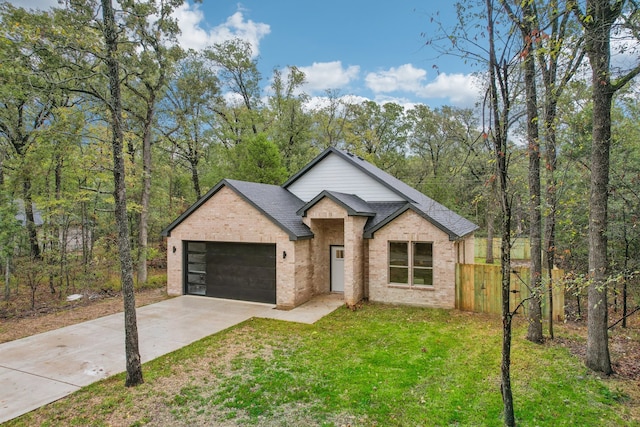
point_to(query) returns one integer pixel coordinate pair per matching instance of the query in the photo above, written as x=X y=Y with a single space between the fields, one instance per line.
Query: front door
x=337 y=268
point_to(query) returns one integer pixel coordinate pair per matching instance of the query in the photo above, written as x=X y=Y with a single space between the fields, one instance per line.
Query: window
x=411 y=263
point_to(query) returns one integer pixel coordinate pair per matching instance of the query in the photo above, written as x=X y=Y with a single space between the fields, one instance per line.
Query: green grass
x=380 y=365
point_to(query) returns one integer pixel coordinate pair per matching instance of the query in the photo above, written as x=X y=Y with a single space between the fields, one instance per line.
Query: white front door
x=337 y=268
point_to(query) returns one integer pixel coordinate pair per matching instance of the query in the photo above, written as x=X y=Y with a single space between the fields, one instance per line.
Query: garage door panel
x=244 y=271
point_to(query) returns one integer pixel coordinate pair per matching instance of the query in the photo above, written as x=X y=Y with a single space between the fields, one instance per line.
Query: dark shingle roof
x=442 y=217
x=353 y=204
x=286 y=210
x=276 y=203
x=383 y=211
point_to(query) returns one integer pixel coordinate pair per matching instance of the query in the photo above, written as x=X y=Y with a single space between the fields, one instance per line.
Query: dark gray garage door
x=242 y=271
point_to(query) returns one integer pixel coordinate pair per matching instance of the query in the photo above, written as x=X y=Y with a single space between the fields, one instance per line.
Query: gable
x=274 y=202
x=224 y=217
x=410 y=225
x=334 y=173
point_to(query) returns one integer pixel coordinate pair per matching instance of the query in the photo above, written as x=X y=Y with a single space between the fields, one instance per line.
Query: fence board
x=520 y=248
x=479 y=289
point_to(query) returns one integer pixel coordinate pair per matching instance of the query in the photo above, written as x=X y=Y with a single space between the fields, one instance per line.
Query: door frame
x=331 y=288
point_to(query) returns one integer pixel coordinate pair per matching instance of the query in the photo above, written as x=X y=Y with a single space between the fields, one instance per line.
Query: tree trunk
x=551 y=201
x=195 y=178
x=490 y=219
x=534 y=331
x=7 y=278
x=498 y=74
x=143 y=232
x=528 y=25
x=34 y=247
x=598 y=50
x=133 y=363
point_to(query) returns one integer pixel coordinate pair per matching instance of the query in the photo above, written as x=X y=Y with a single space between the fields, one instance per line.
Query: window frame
x=410 y=266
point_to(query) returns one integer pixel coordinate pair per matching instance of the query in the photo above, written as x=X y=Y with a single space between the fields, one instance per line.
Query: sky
x=373 y=50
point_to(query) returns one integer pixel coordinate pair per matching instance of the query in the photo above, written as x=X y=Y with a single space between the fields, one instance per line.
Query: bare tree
x=528 y=25
x=500 y=108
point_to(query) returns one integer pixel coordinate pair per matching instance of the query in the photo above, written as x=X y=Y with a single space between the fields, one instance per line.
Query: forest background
x=195 y=117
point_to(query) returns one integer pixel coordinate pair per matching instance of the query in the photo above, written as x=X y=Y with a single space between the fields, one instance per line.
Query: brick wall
x=412 y=227
x=226 y=217
x=354 y=259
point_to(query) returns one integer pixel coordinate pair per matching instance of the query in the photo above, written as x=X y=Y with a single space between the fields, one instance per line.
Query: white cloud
x=460 y=89
x=328 y=75
x=405 y=78
x=191 y=21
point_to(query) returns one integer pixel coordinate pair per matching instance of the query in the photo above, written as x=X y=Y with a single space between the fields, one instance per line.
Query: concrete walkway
x=43 y=368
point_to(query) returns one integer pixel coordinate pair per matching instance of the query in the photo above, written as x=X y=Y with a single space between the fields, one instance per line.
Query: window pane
x=423 y=255
x=398 y=275
x=196 y=279
x=197 y=268
x=422 y=277
x=197 y=289
x=398 y=253
x=197 y=258
x=197 y=247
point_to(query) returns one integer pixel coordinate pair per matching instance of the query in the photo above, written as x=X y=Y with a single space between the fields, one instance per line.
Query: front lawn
x=380 y=365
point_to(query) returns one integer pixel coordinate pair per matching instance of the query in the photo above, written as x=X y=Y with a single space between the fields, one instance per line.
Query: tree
x=598 y=20
x=528 y=25
x=330 y=120
x=110 y=31
x=378 y=134
x=444 y=141
x=290 y=125
x=147 y=78
x=498 y=115
x=258 y=160
x=557 y=71
x=27 y=101
x=187 y=114
x=499 y=99
x=238 y=72
x=9 y=228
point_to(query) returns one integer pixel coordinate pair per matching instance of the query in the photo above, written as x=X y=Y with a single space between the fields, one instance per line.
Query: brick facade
x=305 y=270
x=226 y=217
x=411 y=227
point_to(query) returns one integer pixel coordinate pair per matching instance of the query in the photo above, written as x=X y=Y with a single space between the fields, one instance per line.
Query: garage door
x=242 y=271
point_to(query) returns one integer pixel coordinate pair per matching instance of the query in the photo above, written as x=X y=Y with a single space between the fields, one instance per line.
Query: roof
x=273 y=201
x=445 y=219
x=286 y=210
x=353 y=204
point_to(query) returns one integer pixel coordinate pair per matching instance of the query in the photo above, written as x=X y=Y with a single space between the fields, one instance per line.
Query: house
x=339 y=225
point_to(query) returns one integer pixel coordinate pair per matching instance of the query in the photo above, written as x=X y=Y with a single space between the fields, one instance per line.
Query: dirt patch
x=50 y=317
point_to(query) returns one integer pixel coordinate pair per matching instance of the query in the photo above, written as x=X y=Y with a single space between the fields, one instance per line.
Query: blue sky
x=362 y=48
x=368 y=49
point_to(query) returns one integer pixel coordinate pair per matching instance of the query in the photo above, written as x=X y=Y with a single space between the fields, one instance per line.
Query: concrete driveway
x=43 y=368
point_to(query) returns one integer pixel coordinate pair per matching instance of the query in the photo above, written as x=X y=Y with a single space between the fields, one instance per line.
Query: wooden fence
x=479 y=289
x=520 y=248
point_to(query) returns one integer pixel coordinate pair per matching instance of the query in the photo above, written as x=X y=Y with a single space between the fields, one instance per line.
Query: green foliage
x=10 y=228
x=214 y=121
x=258 y=160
